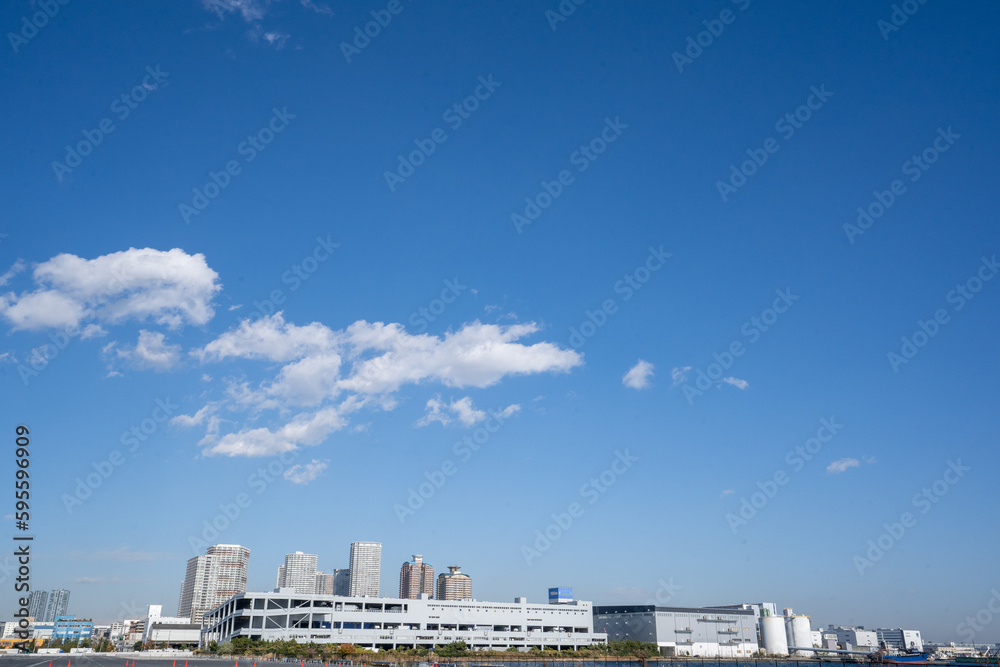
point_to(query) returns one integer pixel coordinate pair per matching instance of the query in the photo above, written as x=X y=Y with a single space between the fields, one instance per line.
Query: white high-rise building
x=366 y=568
x=212 y=579
x=298 y=572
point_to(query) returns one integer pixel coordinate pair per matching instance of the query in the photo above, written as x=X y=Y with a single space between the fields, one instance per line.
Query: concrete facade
x=682 y=631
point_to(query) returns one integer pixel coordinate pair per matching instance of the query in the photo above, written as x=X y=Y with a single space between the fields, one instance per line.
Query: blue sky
x=236 y=168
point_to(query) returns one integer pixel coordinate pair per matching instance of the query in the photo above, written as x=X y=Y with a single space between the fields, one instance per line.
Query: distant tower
x=366 y=568
x=58 y=604
x=212 y=579
x=416 y=577
x=38 y=604
x=454 y=585
x=324 y=584
x=298 y=572
x=342 y=581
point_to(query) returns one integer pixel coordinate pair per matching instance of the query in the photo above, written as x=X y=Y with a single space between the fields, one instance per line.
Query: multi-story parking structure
x=386 y=623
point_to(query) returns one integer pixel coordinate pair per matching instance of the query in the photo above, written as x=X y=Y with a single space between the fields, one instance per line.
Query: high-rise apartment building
x=366 y=568
x=324 y=584
x=416 y=577
x=342 y=581
x=454 y=585
x=212 y=579
x=38 y=604
x=298 y=572
x=45 y=606
x=58 y=604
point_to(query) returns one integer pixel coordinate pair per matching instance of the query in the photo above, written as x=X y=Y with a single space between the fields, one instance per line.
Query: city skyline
x=661 y=301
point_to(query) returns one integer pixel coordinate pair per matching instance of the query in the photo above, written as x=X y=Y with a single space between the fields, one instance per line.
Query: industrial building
x=682 y=631
x=386 y=623
x=853 y=637
x=904 y=640
x=167 y=631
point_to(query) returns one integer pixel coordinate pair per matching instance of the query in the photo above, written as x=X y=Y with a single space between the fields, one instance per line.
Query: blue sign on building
x=560 y=595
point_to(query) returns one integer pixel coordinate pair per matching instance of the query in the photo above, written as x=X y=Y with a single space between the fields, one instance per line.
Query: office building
x=387 y=623
x=212 y=579
x=166 y=631
x=342 y=581
x=904 y=640
x=366 y=568
x=298 y=572
x=416 y=577
x=46 y=606
x=682 y=631
x=454 y=585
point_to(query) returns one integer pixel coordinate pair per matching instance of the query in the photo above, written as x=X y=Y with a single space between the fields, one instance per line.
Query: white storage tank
x=801 y=634
x=772 y=635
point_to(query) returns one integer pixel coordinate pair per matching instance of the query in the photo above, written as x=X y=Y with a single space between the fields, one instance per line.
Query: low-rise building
x=851 y=637
x=683 y=631
x=386 y=623
x=903 y=640
x=169 y=631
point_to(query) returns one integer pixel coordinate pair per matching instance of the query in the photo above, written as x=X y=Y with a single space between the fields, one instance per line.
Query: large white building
x=298 y=572
x=396 y=622
x=850 y=637
x=366 y=568
x=683 y=631
x=904 y=640
x=213 y=578
x=163 y=630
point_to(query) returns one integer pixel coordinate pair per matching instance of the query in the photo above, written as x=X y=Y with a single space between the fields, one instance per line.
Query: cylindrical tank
x=801 y=634
x=772 y=635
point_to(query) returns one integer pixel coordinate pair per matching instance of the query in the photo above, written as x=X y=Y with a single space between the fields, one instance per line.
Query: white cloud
x=869 y=459
x=679 y=374
x=276 y=38
x=461 y=409
x=727 y=492
x=317 y=7
x=842 y=465
x=303 y=474
x=150 y=352
x=19 y=266
x=639 y=375
x=171 y=288
x=327 y=375
x=250 y=10
x=736 y=382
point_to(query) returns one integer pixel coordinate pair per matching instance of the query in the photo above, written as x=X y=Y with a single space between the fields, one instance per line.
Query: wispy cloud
x=841 y=465
x=638 y=377
x=303 y=474
x=679 y=374
x=727 y=492
x=736 y=382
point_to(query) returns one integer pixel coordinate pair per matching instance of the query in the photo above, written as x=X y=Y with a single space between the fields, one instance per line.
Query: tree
x=137 y=646
x=453 y=649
